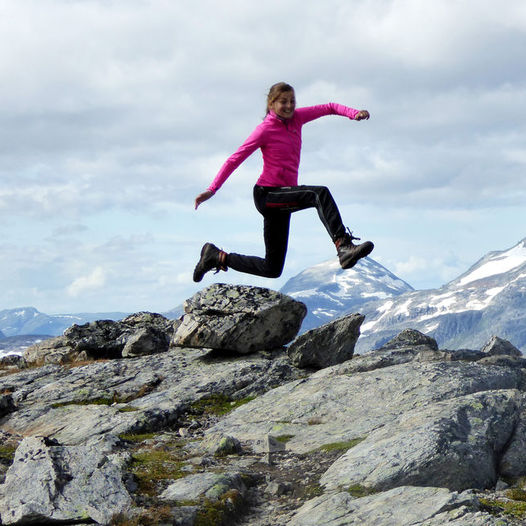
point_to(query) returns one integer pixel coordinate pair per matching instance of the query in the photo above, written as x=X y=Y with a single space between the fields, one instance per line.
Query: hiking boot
x=211 y=257
x=349 y=253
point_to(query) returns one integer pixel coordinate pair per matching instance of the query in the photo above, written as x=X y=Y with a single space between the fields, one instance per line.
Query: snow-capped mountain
x=489 y=299
x=329 y=291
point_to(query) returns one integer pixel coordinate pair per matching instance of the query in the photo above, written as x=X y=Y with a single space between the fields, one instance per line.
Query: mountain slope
x=328 y=290
x=488 y=299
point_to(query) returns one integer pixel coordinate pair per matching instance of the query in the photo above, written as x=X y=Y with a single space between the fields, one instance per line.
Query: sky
x=117 y=113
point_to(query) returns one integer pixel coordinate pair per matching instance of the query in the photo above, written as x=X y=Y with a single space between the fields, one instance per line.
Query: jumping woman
x=277 y=194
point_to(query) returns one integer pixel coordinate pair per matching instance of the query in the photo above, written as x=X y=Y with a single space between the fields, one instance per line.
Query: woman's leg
x=276 y=236
x=296 y=198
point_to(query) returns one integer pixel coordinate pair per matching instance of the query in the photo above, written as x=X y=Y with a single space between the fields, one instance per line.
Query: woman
x=276 y=193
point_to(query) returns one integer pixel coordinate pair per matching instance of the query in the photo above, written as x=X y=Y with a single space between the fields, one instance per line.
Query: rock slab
x=331 y=344
x=63 y=484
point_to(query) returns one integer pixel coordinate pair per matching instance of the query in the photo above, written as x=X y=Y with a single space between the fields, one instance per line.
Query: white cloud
x=95 y=280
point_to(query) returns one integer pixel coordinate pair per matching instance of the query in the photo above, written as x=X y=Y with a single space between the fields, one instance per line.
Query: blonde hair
x=275 y=91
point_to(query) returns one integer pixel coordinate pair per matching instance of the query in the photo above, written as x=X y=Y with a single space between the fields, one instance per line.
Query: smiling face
x=284 y=105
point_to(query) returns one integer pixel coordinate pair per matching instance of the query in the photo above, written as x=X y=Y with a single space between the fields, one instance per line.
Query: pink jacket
x=280 y=143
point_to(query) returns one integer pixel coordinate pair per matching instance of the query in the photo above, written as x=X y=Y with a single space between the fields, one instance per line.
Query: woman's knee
x=274 y=270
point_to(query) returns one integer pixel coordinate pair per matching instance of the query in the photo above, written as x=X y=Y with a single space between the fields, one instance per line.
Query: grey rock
x=147 y=340
x=335 y=406
x=455 y=444
x=239 y=318
x=208 y=484
x=278 y=488
x=512 y=463
x=12 y=360
x=149 y=392
x=220 y=445
x=498 y=346
x=51 y=483
x=138 y=334
x=411 y=338
x=402 y=506
x=52 y=351
x=504 y=361
x=328 y=345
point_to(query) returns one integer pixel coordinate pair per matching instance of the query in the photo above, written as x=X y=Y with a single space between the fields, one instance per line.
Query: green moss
x=128 y=409
x=218 y=404
x=152 y=466
x=312 y=491
x=149 y=517
x=357 y=490
x=7 y=454
x=284 y=438
x=93 y=401
x=340 y=446
x=510 y=508
x=516 y=494
x=217 y=512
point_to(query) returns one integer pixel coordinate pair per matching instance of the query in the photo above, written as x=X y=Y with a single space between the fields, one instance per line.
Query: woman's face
x=284 y=105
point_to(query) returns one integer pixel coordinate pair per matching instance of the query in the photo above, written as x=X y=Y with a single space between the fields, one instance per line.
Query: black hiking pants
x=276 y=204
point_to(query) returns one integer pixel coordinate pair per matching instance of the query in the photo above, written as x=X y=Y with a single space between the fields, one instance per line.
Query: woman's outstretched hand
x=362 y=115
x=201 y=198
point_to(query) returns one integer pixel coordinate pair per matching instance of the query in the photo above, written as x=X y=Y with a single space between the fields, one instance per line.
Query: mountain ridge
x=488 y=299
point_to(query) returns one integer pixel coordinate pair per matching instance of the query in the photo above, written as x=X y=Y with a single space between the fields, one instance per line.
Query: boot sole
x=365 y=250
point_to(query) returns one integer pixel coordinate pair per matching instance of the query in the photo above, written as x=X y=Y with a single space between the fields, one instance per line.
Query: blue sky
x=117 y=113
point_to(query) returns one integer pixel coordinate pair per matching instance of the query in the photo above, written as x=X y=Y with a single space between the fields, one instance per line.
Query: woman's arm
x=253 y=142
x=310 y=113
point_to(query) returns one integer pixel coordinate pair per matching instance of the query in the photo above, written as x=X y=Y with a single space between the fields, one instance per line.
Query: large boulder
x=328 y=345
x=49 y=483
x=239 y=318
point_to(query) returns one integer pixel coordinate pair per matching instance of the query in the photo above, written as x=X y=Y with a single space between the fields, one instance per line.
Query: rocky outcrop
x=500 y=347
x=135 y=335
x=331 y=344
x=238 y=318
x=407 y=434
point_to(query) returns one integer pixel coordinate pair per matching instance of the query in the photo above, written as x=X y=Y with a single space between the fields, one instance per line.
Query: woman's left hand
x=362 y=115
x=201 y=198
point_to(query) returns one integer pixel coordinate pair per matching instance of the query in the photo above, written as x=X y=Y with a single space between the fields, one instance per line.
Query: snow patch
x=498 y=264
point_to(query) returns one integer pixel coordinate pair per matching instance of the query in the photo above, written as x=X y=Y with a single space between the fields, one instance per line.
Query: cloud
x=95 y=280
x=116 y=114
